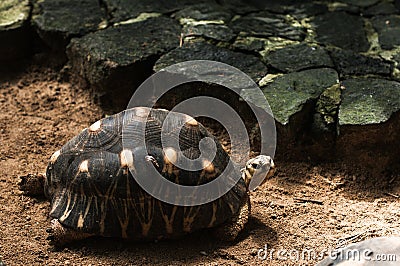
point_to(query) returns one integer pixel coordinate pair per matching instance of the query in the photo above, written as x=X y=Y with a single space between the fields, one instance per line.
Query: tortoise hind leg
x=230 y=231
x=32 y=184
x=60 y=235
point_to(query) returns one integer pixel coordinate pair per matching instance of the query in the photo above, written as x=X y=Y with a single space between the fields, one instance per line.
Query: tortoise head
x=260 y=169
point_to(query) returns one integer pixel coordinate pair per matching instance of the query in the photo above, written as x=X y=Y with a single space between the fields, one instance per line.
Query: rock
x=249 y=64
x=261 y=46
x=275 y=6
x=298 y=57
x=297 y=9
x=383 y=8
x=14 y=31
x=118 y=59
x=115 y=44
x=360 y=3
x=396 y=58
x=288 y=94
x=349 y=63
x=266 y=24
x=342 y=30
x=14 y=13
x=292 y=98
x=369 y=124
x=213 y=80
x=341 y=7
x=239 y=7
x=57 y=21
x=397 y=4
x=209 y=31
x=311 y=8
x=369 y=101
x=327 y=108
x=120 y=10
x=292 y=7
x=324 y=127
x=388 y=28
x=204 y=12
x=249 y=44
x=206 y=20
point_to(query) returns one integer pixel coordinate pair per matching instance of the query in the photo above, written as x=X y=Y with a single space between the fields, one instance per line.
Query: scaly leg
x=229 y=231
x=60 y=235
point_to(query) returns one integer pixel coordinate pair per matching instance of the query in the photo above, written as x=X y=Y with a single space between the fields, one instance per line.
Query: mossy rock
x=118 y=59
x=14 y=29
x=369 y=101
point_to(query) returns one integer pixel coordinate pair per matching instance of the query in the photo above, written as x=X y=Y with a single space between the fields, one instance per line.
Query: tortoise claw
x=153 y=160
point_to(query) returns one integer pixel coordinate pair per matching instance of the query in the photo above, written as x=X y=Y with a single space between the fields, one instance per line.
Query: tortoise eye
x=255 y=165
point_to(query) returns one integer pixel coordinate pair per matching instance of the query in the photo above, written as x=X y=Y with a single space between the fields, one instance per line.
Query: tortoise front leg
x=230 y=231
x=60 y=235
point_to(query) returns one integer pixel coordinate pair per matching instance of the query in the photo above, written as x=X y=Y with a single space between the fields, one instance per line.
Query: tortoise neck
x=246 y=175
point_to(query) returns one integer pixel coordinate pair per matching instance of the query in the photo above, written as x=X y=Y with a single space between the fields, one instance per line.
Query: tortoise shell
x=92 y=190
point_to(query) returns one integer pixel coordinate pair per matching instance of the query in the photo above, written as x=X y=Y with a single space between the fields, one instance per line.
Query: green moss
x=190 y=21
x=328 y=103
x=376 y=49
x=287 y=94
x=249 y=43
x=275 y=43
x=268 y=79
x=372 y=37
x=69 y=17
x=141 y=17
x=369 y=101
x=13 y=13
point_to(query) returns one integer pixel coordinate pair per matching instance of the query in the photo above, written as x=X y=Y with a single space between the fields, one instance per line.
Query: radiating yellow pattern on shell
x=55 y=156
x=95 y=126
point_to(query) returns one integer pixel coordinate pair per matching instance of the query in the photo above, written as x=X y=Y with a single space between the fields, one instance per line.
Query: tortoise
x=374 y=251
x=92 y=192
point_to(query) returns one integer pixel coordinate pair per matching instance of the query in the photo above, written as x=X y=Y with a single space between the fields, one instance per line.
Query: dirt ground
x=38 y=114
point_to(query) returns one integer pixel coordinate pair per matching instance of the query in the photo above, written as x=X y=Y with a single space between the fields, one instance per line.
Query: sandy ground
x=38 y=115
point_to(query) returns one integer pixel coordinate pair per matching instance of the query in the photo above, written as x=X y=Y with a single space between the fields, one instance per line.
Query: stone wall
x=330 y=70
